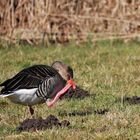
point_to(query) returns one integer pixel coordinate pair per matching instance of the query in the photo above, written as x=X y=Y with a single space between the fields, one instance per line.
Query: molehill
x=77 y=93
x=42 y=124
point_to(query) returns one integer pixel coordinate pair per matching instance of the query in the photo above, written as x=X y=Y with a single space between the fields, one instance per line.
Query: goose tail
x=3 y=96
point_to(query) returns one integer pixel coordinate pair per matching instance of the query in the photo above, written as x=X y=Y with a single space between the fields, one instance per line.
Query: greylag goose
x=38 y=83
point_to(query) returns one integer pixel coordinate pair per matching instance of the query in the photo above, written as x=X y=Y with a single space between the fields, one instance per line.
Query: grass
x=109 y=70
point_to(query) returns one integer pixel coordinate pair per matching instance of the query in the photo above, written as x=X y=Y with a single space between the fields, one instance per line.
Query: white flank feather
x=23 y=96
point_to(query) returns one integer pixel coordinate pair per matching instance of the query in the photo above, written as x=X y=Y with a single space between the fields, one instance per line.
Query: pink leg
x=31 y=110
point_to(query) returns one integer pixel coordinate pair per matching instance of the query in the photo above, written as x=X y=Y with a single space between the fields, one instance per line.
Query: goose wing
x=28 y=78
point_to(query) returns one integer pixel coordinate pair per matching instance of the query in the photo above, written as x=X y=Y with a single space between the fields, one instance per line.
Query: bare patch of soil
x=41 y=124
x=132 y=100
x=77 y=93
x=3 y=104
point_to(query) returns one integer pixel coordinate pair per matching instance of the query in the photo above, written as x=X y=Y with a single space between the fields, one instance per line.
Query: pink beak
x=70 y=83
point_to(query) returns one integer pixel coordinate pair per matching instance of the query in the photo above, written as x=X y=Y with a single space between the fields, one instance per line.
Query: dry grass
x=65 y=20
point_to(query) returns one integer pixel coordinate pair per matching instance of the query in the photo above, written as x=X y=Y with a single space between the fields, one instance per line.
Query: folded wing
x=28 y=78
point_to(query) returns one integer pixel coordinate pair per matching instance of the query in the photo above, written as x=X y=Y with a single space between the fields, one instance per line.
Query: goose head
x=66 y=73
x=64 y=70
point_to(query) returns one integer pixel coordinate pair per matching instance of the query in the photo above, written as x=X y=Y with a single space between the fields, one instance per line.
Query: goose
x=38 y=84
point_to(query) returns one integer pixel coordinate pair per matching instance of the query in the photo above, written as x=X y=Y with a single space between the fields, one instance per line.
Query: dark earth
x=132 y=100
x=77 y=93
x=42 y=124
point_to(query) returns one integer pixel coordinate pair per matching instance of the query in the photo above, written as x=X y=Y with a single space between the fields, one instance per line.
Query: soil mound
x=41 y=124
x=77 y=93
x=132 y=100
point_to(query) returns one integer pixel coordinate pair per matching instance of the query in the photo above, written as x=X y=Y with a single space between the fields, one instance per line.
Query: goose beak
x=70 y=83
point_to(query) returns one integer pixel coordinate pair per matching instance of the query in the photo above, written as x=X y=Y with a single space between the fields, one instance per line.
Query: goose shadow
x=83 y=113
x=132 y=100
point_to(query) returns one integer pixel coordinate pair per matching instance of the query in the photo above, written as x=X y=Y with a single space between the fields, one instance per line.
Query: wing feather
x=28 y=78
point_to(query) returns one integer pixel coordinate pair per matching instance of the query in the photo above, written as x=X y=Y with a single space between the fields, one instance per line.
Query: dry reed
x=65 y=20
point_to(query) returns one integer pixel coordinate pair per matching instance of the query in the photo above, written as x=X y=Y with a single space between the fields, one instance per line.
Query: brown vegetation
x=65 y=20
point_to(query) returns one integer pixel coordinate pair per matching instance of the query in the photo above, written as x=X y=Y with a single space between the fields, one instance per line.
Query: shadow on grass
x=132 y=100
x=83 y=113
x=3 y=104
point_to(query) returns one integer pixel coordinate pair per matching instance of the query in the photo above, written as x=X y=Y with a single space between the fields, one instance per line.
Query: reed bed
x=62 y=21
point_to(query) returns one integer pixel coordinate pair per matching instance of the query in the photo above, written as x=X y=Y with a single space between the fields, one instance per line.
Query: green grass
x=109 y=70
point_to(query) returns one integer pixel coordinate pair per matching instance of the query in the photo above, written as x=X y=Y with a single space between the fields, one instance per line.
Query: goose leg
x=31 y=110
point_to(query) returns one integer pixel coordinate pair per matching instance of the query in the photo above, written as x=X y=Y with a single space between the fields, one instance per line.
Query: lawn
x=110 y=71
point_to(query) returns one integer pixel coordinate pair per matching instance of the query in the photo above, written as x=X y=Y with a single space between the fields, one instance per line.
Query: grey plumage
x=43 y=77
x=50 y=87
x=36 y=84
